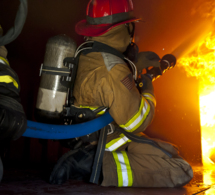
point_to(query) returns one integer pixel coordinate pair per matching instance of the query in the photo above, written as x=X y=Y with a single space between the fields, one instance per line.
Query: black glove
x=144 y=84
x=147 y=59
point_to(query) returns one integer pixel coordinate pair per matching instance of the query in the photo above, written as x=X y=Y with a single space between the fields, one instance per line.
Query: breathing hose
x=14 y=32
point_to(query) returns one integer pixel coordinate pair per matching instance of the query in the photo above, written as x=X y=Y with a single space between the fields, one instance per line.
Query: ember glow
x=202 y=66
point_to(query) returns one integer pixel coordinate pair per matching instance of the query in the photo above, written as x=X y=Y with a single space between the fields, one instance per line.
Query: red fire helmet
x=103 y=15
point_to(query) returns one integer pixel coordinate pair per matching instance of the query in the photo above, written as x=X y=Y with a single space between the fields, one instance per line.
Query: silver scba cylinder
x=52 y=93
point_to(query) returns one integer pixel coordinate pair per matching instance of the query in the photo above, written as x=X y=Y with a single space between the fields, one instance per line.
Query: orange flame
x=202 y=66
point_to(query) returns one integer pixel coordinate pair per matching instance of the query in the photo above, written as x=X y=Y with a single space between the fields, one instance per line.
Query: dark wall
x=165 y=25
x=46 y=18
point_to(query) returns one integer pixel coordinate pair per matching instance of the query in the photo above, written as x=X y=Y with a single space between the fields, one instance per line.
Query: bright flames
x=202 y=66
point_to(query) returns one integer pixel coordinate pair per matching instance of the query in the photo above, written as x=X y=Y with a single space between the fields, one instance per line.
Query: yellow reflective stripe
x=138 y=118
x=150 y=97
x=118 y=166
x=93 y=108
x=114 y=144
x=124 y=172
x=128 y=167
x=8 y=79
x=4 y=61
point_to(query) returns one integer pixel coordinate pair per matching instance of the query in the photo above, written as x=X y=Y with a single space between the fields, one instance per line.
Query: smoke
x=196 y=54
x=204 y=8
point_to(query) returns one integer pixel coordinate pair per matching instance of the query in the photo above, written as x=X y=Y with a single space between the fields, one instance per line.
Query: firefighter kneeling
x=105 y=79
x=12 y=117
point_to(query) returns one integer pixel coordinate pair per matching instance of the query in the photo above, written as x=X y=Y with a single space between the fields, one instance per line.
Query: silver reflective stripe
x=150 y=97
x=124 y=169
x=3 y=62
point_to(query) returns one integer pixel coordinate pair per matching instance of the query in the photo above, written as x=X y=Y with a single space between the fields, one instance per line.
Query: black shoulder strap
x=101 y=47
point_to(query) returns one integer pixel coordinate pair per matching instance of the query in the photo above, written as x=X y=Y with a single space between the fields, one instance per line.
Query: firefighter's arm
x=9 y=81
x=12 y=117
x=145 y=87
x=131 y=110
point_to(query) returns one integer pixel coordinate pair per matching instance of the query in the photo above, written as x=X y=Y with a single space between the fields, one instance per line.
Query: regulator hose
x=57 y=132
x=14 y=32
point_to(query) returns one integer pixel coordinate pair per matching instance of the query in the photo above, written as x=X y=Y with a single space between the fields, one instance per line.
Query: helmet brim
x=89 y=30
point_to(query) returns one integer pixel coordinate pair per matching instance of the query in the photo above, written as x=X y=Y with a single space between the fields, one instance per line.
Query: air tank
x=52 y=93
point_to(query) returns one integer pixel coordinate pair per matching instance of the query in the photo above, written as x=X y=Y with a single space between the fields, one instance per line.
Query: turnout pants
x=143 y=165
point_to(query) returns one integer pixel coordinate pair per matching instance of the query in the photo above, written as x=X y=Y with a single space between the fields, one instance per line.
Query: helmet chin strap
x=131 y=31
x=132 y=49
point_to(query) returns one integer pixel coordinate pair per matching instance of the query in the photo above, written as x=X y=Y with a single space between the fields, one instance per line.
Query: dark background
x=165 y=28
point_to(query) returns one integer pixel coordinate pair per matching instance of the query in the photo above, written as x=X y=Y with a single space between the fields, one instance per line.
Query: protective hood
x=117 y=38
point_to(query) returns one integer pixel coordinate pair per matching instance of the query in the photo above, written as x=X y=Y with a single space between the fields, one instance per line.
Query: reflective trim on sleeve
x=4 y=61
x=8 y=79
x=114 y=144
x=124 y=172
x=138 y=118
x=94 y=108
x=150 y=97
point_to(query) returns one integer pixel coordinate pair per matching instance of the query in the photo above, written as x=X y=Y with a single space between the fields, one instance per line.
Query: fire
x=202 y=66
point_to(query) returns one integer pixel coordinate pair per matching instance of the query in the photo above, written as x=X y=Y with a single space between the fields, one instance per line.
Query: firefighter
x=104 y=79
x=13 y=121
x=12 y=117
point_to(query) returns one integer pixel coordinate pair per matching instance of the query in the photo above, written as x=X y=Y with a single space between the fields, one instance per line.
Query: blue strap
x=49 y=131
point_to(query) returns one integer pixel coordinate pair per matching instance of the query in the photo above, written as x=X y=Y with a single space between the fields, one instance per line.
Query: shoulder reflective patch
x=111 y=60
x=128 y=82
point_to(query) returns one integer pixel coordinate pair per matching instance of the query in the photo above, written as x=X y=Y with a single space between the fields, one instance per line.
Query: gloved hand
x=147 y=59
x=144 y=84
x=149 y=63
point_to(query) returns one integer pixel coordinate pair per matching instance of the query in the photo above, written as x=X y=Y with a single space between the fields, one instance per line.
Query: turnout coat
x=106 y=80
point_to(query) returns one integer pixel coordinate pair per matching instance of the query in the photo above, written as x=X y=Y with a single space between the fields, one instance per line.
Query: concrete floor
x=32 y=182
